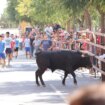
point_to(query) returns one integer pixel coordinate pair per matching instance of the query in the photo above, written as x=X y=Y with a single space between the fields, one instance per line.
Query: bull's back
x=57 y=60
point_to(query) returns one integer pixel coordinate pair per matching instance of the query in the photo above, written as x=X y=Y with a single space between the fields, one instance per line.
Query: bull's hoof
x=75 y=83
x=63 y=84
x=44 y=85
x=37 y=84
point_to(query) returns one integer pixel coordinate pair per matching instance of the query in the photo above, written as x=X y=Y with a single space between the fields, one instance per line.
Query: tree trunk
x=68 y=25
x=81 y=22
x=103 y=42
x=87 y=19
x=102 y=22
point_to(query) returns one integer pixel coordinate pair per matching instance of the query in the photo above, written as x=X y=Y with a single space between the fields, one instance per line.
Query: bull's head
x=87 y=60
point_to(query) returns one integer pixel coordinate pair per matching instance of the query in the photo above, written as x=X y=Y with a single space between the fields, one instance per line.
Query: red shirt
x=12 y=44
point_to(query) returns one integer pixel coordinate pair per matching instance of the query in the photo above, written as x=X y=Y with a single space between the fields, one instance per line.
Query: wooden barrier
x=96 y=45
x=99 y=45
x=96 y=68
x=91 y=54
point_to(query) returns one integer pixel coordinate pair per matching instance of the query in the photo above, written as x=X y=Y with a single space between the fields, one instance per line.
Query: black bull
x=68 y=61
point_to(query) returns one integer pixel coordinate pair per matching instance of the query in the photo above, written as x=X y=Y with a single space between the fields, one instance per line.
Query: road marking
x=58 y=93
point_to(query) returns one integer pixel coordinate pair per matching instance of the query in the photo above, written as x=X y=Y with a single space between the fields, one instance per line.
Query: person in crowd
x=71 y=43
x=16 y=46
x=48 y=30
x=33 y=33
x=37 y=43
x=84 y=45
x=8 y=41
x=56 y=44
x=46 y=44
x=2 y=54
x=20 y=41
x=56 y=27
x=12 y=43
x=91 y=95
x=27 y=46
x=67 y=40
x=23 y=39
x=61 y=36
x=32 y=38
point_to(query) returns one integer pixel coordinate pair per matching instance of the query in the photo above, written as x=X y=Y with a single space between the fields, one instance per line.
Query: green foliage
x=42 y=11
x=76 y=6
x=5 y=21
x=99 y=5
x=12 y=13
x=54 y=11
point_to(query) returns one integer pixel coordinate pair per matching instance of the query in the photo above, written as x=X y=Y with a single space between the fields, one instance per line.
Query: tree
x=100 y=6
x=78 y=8
x=42 y=11
x=5 y=21
x=12 y=13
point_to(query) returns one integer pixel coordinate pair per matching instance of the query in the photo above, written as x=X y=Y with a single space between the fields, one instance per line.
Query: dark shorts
x=2 y=56
x=8 y=50
x=16 y=49
x=28 y=49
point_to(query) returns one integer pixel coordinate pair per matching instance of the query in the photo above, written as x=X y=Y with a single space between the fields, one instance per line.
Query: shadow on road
x=29 y=87
x=44 y=94
x=25 y=87
x=48 y=99
x=20 y=68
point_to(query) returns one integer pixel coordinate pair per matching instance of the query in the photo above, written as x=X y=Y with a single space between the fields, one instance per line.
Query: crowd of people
x=55 y=38
x=9 y=44
x=52 y=38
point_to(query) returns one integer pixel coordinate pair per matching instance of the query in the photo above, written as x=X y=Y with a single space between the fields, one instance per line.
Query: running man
x=2 y=54
x=27 y=47
x=8 y=41
x=16 y=46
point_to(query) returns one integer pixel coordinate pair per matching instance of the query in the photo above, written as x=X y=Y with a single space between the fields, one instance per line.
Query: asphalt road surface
x=17 y=84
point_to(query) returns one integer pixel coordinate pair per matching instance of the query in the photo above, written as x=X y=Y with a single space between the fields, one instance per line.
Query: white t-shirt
x=20 y=40
x=27 y=42
x=51 y=29
x=37 y=42
x=8 y=42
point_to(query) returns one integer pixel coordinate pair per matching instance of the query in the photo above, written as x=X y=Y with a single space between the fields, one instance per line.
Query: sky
x=3 y=4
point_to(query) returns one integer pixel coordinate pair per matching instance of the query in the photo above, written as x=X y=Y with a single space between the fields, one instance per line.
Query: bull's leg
x=37 y=75
x=74 y=77
x=65 y=75
x=40 y=76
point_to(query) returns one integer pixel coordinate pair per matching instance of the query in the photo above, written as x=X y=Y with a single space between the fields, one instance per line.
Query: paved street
x=17 y=84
